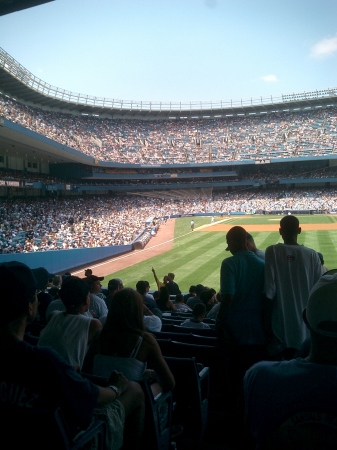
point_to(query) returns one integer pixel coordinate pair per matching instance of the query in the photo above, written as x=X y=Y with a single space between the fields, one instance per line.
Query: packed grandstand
x=74 y=176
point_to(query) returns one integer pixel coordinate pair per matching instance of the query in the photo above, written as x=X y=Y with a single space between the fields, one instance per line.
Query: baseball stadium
x=113 y=185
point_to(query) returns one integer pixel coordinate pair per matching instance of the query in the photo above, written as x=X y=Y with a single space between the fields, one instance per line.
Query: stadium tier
x=63 y=159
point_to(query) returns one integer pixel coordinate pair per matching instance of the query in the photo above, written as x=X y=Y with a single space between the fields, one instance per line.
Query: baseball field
x=195 y=257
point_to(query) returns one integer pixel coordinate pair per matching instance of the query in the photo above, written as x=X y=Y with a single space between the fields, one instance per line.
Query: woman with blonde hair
x=125 y=346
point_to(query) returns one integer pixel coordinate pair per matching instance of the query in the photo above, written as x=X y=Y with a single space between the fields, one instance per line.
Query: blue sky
x=177 y=50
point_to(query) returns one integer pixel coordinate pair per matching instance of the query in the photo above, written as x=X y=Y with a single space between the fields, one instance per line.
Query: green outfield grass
x=196 y=257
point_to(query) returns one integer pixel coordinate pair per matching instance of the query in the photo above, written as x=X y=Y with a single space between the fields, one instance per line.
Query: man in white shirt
x=291 y=270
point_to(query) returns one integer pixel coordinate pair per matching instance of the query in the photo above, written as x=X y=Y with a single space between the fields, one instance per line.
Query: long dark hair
x=164 y=296
x=125 y=314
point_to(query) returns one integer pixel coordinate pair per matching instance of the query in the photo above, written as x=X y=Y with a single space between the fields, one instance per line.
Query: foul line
x=118 y=258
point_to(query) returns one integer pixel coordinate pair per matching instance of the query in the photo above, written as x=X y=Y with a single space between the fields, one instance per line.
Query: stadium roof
x=17 y=82
x=10 y=6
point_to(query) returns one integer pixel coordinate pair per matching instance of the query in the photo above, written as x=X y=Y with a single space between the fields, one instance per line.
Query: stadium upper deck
x=44 y=126
x=19 y=83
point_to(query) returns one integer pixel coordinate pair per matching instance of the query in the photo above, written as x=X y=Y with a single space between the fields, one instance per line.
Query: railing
x=10 y=65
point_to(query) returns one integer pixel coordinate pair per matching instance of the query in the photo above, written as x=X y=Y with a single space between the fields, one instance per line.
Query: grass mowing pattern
x=196 y=256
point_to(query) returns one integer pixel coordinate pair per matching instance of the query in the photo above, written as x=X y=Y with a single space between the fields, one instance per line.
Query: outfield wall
x=59 y=261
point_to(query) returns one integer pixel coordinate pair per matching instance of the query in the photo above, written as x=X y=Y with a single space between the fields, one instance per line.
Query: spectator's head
x=198 y=289
x=289 y=227
x=94 y=283
x=236 y=239
x=147 y=284
x=114 y=285
x=65 y=275
x=42 y=277
x=74 y=294
x=88 y=272
x=207 y=295
x=125 y=314
x=179 y=298
x=199 y=311
x=18 y=293
x=192 y=290
x=251 y=243
x=155 y=295
x=141 y=287
x=170 y=276
x=57 y=280
x=164 y=297
x=119 y=281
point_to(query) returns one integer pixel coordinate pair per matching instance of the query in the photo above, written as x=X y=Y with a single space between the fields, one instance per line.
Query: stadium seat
x=186 y=337
x=191 y=395
x=199 y=331
x=158 y=414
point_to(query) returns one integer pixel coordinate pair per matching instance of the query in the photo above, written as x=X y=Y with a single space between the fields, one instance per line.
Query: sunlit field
x=196 y=256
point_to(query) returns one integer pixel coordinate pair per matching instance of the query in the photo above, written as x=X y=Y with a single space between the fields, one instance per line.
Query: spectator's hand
x=119 y=380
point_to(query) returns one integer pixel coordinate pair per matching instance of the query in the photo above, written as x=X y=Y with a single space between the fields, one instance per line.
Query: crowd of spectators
x=40 y=224
x=275 y=135
x=262 y=176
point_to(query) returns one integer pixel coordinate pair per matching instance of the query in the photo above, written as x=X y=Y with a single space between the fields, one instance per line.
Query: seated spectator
x=147 y=294
x=180 y=304
x=195 y=298
x=199 y=313
x=274 y=390
x=42 y=277
x=152 y=322
x=124 y=344
x=114 y=285
x=150 y=303
x=164 y=303
x=47 y=381
x=57 y=281
x=208 y=298
x=70 y=332
x=172 y=285
x=212 y=314
x=98 y=306
x=192 y=292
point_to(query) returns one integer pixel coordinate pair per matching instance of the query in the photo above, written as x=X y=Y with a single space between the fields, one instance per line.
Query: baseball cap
x=235 y=233
x=93 y=278
x=321 y=311
x=18 y=285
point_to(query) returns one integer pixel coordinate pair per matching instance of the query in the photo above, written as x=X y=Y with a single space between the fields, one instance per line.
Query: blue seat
x=191 y=395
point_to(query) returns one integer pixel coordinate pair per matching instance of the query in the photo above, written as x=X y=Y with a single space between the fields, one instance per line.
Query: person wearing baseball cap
x=274 y=390
x=239 y=323
x=35 y=379
x=97 y=306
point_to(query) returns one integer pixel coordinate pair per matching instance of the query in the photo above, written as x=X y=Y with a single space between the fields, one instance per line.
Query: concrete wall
x=59 y=261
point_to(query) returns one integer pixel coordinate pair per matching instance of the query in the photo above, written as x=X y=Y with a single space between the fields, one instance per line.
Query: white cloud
x=325 y=47
x=269 y=78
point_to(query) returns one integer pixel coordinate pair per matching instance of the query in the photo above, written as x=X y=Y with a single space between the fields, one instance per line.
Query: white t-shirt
x=290 y=273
